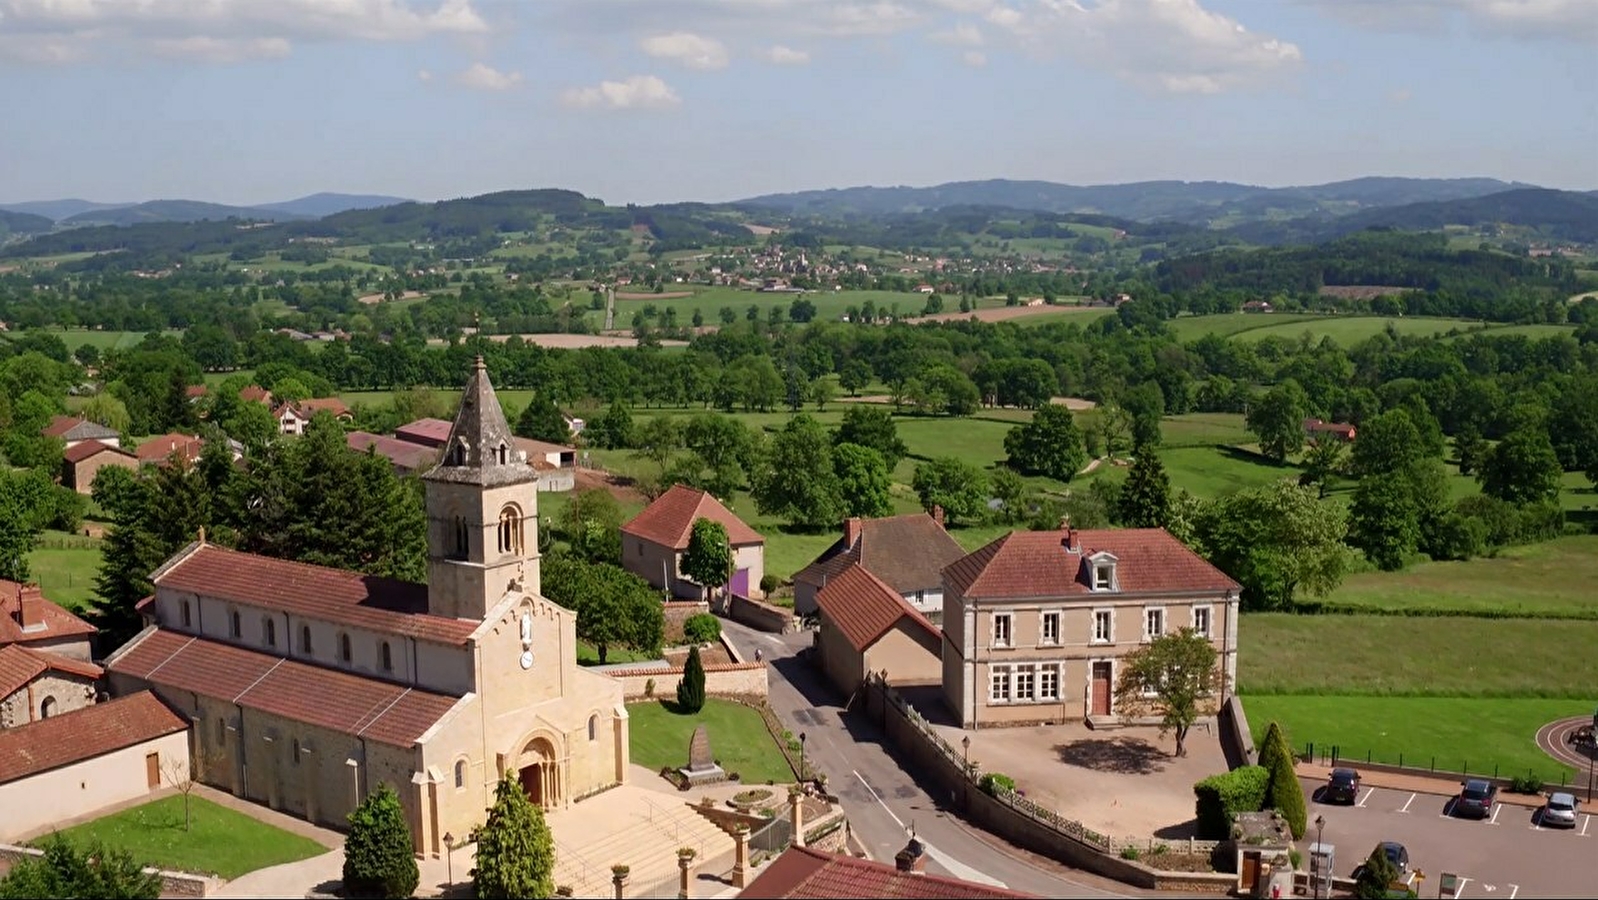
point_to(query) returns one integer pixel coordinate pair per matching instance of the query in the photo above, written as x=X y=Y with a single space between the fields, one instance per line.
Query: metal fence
x=774 y=836
x=1432 y=764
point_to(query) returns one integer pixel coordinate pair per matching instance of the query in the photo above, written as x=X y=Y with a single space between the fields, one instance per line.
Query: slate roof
x=340 y=701
x=84 y=734
x=1025 y=564
x=20 y=665
x=908 y=552
x=670 y=519
x=472 y=452
x=84 y=449
x=802 y=873
x=863 y=607
x=71 y=428
x=315 y=592
x=58 y=622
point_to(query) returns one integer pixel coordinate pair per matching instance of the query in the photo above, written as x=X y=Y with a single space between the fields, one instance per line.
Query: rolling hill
x=1554 y=215
x=327 y=204
x=171 y=211
x=19 y=223
x=56 y=210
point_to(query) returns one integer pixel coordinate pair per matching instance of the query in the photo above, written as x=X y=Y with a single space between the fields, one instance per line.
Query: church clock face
x=527 y=659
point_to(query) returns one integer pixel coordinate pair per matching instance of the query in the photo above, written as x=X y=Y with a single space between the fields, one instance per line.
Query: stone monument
x=702 y=768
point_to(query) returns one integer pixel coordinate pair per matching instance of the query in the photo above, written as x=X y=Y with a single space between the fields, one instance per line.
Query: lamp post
x=1317 y=858
x=803 y=772
x=449 y=856
x=965 y=744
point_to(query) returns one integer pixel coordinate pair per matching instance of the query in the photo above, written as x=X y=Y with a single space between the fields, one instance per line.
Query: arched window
x=234 y=628
x=501 y=454
x=593 y=728
x=305 y=639
x=344 y=648
x=270 y=628
x=388 y=657
x=460 y=541
x=187 y=621
x=510 y=529
x=47 y=708
x=457 y=453
x=460 y=773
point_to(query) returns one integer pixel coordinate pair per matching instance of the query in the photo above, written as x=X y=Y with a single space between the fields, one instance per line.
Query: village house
x=254 y=393
x=84 y=460
x=867 y=626
x=1035 y=622
x=1315 y=428
x=46 y=657
x=73 y=431
x=292 y=416
x=407 y=458
x=907 y=552
x=652 y=544
x=308 y=686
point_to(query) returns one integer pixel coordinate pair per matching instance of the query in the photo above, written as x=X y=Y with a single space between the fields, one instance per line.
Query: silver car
x=1559 y=811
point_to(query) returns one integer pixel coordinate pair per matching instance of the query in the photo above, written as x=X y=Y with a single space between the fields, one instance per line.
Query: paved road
x=882 y=801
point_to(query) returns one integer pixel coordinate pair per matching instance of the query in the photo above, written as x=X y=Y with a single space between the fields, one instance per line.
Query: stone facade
x=59 y=691
x=909 y=654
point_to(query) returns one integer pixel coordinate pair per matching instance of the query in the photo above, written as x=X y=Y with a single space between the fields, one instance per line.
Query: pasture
x=103 y=340
x=1350 y=330
x=65 y=567
x=1188 y=328
x=830 y=305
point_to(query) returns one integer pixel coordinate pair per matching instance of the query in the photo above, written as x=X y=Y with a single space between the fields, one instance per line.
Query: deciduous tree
x=1276 y=419
x=708 y=559
x=1275 y=541
x=1522 y=468
x=1049 y=445
x=614 y=607
x=863 y=480
x=954 y=484
x=68 y=871
x=515 y=850
x=1145 y=500
x=799 y=482
x=871 y=426
x=1175 y=677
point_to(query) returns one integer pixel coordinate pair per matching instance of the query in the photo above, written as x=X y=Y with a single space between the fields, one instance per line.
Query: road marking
x=1513 y=890
x=1459 y=891
x=1496 y=810
x=878 y=797
x=1585 y=821
x=956 y=868
x=1407 y=803
x=1367 y=796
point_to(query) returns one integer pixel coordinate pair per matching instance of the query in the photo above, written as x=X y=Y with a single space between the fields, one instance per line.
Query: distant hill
x=56 y=210
x=1193 y=202
x=18 y=223
x=1555 y=215
x=325 y=204
x=172 y=211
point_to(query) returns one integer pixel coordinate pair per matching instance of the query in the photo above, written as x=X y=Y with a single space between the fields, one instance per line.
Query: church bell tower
x=482 y=511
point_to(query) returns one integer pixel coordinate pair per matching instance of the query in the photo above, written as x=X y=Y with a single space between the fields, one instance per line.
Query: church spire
x=481 y=448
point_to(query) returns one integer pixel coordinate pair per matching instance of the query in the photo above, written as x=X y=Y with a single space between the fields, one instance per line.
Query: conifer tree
x=515 y=850
x=542 y=421
x=1285 y=794
x=1146 y=496
x=378 y=856
x=691 y=689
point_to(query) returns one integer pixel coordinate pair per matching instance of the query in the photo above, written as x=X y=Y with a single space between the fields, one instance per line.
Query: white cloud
x=482 y=77
x=637 y=92
x=220 y=30
x=974 y=58
x=686 y=49
x=423 y=75
x=1399 y=96
x=962 y=35
x=786 y=56
x=1559 y=19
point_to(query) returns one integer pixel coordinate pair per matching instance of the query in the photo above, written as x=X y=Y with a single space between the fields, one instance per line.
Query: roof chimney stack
x=912 y=859
x=30 y=607
x=851 y=531
x=937 y=515
x=1069 y=540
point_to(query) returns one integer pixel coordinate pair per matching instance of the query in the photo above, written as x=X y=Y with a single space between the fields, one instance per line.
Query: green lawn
x=1350 y=330
x=1187 y=328
x=66 y=575
x=221 y=841
x=1487 y=736
x=1552 y=579
x=1284 y=653
x=738 y=739
x=588 y=656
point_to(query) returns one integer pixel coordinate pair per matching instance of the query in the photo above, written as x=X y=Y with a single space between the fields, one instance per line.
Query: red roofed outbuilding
x=652 y=544
x=867 y=626
x=804 y=873
x=83 y=461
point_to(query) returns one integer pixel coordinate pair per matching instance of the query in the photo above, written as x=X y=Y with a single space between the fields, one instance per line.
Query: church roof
x=481 y=449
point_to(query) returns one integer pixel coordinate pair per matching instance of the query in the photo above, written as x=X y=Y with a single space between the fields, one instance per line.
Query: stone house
x=867 y=626
x=29 y=619
x=653 y=543
x=907 y=552
x=84 y=460
x=80 y=762
x=309 y=686
x=1035 y=622
x=36 y=685
x=73 y=431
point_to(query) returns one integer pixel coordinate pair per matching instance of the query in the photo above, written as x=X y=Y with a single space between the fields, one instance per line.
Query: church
x=309 y=686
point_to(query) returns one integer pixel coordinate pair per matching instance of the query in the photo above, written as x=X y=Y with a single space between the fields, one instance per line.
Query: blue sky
x=246 y=101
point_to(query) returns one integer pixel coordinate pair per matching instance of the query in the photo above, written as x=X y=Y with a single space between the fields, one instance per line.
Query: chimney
x=912 y=859
x=851 y=531
x=937 y=515
x=30 y=612
x=1069 y=540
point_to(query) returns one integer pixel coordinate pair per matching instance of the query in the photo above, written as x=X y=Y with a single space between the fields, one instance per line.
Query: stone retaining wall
x=721 y=680
x=761 y=616
x=678 y=612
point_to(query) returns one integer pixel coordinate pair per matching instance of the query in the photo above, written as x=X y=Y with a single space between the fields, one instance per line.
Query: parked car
x=1476 y=799
x=1559 y=811
x=1396 y=854
x=1342 y=787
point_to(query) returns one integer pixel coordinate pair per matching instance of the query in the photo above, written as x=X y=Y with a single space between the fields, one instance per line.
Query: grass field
x=1370 y=655
x=738 y=739
x=1485 y=736
x=1187 y=328
x=221 y=841
x=1350 y=330
x=66 y=575
x=829 y=304
x=1552 y=579
x=104 y=340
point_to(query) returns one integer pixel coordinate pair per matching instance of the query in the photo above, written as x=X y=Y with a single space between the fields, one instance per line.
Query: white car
x=1559 y=811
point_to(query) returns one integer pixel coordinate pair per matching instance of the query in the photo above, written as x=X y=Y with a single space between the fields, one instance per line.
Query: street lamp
x=965 y=744
x=449 y=856
x=1318 y=856
x=802 y=770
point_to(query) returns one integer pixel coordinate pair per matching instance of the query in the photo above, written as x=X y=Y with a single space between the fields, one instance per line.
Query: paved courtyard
x=1123 y=782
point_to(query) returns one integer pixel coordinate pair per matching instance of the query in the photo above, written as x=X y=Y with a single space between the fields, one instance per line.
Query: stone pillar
x=796 y=814
x=685 y=859
x=618 y=879
x=740 y=864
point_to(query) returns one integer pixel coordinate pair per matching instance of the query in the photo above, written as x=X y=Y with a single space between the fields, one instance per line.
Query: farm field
x=103 y=340
x=709 y=301
x=1188 y=328
x=1487 y=736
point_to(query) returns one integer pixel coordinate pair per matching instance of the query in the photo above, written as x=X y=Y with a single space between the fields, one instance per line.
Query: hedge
x=1222 y=797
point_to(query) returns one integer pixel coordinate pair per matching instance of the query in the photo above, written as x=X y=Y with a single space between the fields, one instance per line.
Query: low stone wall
x=761 y=616
x=173 y=884
x=678 y=612
x=1237 y=741
x=721 y=680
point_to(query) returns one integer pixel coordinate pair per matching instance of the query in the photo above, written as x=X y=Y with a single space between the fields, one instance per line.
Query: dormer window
x=457 y=453
x=1103 y=576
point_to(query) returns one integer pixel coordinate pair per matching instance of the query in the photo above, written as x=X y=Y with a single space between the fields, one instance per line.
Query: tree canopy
x=515 y=849
x=1175 y=677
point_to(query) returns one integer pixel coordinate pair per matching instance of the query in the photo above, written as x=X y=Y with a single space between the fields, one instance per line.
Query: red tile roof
x=427 y=432
x=802 y=873
x=539 y=449
x=20 y=665
x=864 y=607
x=670 y=519
x=315 y=592
x=158 y=449
x=311 y=406
x=255 y=393
x=195 y=390
x=58 y=623
x=1040 y=564
x=403 y=454
x=84 y=734
x=341 y=701
x=81 y=451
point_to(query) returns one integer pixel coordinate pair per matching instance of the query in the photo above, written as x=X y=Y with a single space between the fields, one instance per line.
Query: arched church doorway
x=540 y=773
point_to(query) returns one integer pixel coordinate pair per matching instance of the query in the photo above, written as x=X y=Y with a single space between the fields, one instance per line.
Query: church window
x=305 y=639
x=501 y=454
x=457 y=453
x=344 y=648
x=269 y=628
x=47 y=708
x=510 y=529
x=460 y=773
x=388 y=657
x=234 y=628
x=460 y=541
x=593 y=728
x=187 y=622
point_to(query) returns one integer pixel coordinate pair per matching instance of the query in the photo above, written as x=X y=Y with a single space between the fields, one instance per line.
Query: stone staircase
x=639 y=828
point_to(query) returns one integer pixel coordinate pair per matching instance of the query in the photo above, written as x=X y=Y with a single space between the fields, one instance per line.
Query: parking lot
x=1506 y=857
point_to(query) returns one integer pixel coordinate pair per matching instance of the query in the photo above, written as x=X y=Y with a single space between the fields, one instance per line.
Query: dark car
x=1475 y=800
x=1342 y=787
x=1395 y=853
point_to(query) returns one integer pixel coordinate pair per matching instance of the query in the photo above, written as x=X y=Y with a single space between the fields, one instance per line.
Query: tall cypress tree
x=378 y=855
x=1146 y=496
x=1285 y=794
x=691 y=689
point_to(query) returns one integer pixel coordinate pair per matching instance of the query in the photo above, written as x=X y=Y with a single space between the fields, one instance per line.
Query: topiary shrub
x=769 y=583
x=701 y=629
x=1222 y=797
x=515 y=850
x=378 y=856
x=691 y=689
x=995 y=783
x=1285 y=794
